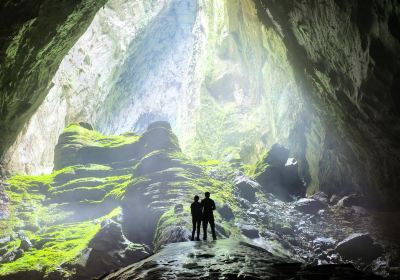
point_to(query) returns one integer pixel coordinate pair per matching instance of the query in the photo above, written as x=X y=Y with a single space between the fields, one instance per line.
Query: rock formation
x=286 y=111
x=268 y=62
x=34 y=39
x=241 y=261
x=113 y=200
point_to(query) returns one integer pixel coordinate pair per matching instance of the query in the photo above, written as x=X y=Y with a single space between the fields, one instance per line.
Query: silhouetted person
x=196 y=210
x=208 y=216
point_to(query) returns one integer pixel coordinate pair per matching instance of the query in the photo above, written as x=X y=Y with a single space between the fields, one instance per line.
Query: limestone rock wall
x=81 y=83
x=345 y=54
x=233 y=78
x=34 y=38
x=157 y=80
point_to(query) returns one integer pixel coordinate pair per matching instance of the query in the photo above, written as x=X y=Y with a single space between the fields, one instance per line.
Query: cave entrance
x=210 y=68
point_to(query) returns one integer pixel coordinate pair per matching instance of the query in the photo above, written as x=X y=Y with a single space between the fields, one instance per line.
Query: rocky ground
x=114 y=200
x=228 y=259
x=316 y=231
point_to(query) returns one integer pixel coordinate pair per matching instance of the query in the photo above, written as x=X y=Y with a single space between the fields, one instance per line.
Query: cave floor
x=228 y=259
x=115 y=200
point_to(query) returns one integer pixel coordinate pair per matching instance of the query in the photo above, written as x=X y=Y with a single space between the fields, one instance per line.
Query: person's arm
x=213 y=205
x=191 y=209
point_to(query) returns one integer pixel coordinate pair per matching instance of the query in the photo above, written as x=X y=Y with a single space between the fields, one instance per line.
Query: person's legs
x=198 y=223
x=194 y=227
x=212 y=225
x=205 y=222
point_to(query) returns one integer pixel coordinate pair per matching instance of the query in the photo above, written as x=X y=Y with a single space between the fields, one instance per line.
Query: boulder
x=178 y=208
x=246 y=190
x=283 y=228
x=158 y=136
x=351 y=200
x=80 y=145
x=108 y=250
x=359 y=246
x=25 y=243
x=309 y=205
x=324 y=243
x=271 y=181
x=172 y=234
x=321 y=196
x=277 y=156
x=249 y=231
x=226 y=212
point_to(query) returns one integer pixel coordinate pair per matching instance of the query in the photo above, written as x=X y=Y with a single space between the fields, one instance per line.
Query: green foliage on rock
x=79 y=145
x=32 y=48
x=154 y=184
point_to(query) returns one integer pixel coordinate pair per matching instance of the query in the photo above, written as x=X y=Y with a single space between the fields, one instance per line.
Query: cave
x=114 y=114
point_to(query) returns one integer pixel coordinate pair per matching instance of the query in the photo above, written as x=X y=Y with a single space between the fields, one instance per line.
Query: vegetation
x=61 y=212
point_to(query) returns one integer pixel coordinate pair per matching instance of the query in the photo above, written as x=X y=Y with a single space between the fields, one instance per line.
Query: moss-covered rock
x=79 y=145
x=356 y=112
x=85 y=220
x=66 y=216
x=37 y=38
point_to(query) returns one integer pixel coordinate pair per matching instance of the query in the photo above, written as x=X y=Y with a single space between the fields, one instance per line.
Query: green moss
x=62 y=245
x=78 y=145
x=261 y=164
x=211 y=162
x=26 y=195
x=20 y=183
x=60 y=233
x=119 y=189
x=76 y=134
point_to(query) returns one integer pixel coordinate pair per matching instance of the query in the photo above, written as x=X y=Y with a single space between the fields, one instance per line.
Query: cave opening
x=211 y=69
x=117 y=113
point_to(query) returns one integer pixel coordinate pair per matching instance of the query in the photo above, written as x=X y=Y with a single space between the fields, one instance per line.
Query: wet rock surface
x=118 y=212
x=309 y=205
x=347 y=142
x=32 y=47
x=228 y=259
x=359 y=246
x=351 y=84
x=109 y=250
x=309 y=229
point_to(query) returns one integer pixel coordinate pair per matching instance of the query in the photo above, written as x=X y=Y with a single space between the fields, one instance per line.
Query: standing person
x=208 y=216
x=196 y=210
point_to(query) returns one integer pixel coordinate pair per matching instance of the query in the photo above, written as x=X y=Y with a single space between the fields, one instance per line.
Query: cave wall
x=338 y=115
x=157 y=79
x=249 y=98
x=81 y=83
x=34 y=38
x=345 y=54
x=209 y=67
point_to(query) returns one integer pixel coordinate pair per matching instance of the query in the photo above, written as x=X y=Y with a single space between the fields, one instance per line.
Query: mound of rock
x=73 y=215
x=227 y=259
x=309 y=205
x=359 y=246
